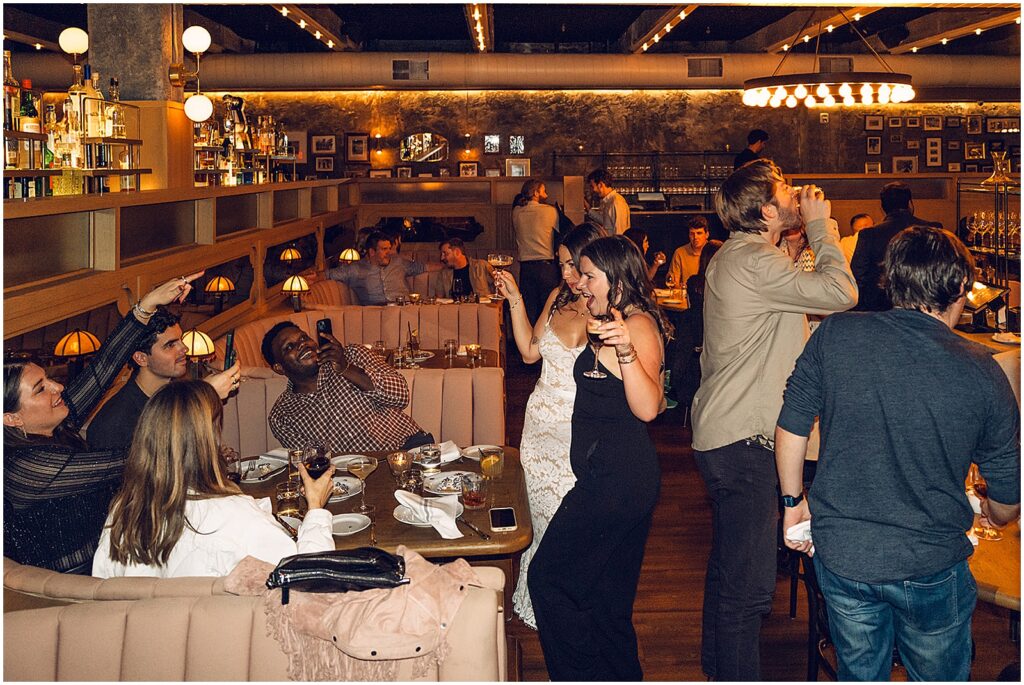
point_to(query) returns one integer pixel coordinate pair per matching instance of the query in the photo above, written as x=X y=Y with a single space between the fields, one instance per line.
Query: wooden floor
x=668 y=607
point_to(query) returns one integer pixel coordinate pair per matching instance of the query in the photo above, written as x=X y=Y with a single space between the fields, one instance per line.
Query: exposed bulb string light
x=316 y=30
x=663 y=31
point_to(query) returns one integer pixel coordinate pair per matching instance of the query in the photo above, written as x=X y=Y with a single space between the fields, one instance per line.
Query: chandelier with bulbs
x=829 y=89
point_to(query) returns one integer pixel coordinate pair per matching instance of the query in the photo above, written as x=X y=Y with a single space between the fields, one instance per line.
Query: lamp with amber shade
x=349 y=255
x=198 y=346
x=74 y=346
x=221 y=287
x=290 y=255
x=295 y=286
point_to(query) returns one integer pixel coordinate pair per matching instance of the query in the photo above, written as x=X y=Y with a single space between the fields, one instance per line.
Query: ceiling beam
x=29 y=29
x=780 y=35
x=36 y=42
x=819 y=26
x=323 y=27
x=222 y=38
x=640 y=35
x=932 y=29
x=480 y=22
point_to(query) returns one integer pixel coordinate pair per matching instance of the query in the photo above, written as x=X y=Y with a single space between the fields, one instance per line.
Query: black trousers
x=740 y=582
x=536 y=281
x=583 y=582
x=418 y=439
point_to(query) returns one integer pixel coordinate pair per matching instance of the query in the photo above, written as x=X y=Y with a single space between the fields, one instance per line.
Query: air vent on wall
x=831 y=65
x=410 y=70
x=704 y=67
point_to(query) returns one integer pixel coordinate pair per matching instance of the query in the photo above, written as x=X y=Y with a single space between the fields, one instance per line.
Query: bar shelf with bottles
x=241 y=157
x=990 y=227
x=686 y=179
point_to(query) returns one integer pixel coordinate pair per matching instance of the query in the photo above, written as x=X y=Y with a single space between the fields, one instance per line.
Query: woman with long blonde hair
x=176 y=513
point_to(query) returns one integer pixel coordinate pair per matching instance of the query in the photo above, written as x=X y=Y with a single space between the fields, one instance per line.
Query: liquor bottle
x=50 y=129
x=29 y=119
x=115 y=124
x=75 y=93
x=282 y=140
x=93 y=109
x=71 y=155
x=12 y=95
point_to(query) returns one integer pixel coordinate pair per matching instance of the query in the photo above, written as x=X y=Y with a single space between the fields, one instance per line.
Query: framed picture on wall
x=912 y=122
x=380 y=173
x=974 y=124
x=325 y=164
x=297 y=145
x=874 y=145
x=517 y=167
x=469 y=169
x=403 y=172
x=952 y=144
x=996 y=146
x=896 y=138
x=873 y=122
x=974 y=150
x=872 y=167
x=932 y=123
x=953 y=167
x=953 y=122
x=492 y=144
x=357 y=147
x=933 y=152
x=913 y=144
x=492 y=172
x=324 y=145
x=895 y=122
x=904 y=165
x=971 y=168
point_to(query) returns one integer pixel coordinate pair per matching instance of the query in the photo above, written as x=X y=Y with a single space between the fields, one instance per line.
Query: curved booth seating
x=467 y=323
x=464 y=405
x=1009 y=362
x=189 y=629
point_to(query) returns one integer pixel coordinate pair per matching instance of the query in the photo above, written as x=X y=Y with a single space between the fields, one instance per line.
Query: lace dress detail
x=544 y=449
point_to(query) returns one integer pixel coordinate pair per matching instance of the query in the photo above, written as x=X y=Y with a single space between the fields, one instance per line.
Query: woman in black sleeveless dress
x=584 y=576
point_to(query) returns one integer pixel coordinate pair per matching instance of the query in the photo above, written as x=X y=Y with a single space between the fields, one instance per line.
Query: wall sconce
x=75 y=345
x=220 y=286
x=295 y=286
x=196 y=40
x=466 y=137
x=349 y=255
x=198 y=345
x=377 y=148
x=74 y=41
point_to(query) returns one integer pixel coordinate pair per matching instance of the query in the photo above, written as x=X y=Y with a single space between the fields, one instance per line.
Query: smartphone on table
x=503 y=519
x=229 y=350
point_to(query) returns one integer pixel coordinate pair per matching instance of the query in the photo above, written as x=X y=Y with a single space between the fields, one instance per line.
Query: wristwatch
x=789 y=501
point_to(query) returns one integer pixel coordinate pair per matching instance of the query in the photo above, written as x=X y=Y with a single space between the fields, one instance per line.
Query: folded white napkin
x=461 y=351
x=800 y=532
x=449 y=451
x=439 y=512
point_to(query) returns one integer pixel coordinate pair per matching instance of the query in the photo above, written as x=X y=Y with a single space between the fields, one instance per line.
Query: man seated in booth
x=341 y=397
x=157 y=360
x=381 y=276
x=463 y=275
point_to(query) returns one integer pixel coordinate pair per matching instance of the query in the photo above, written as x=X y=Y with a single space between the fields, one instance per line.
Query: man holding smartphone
x=345 y=397
x=159 y=359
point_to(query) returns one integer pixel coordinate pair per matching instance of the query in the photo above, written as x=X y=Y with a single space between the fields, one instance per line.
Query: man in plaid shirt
x=344 y=398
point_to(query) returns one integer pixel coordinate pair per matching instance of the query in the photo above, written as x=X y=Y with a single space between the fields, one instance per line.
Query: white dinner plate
x=422 y=356
x=260 y=469
x=347 y=524
x=474 y=451
x=293 y=521
x=403 y=514
x=445 y=300
x=341 y=461
x=1006 y=338
x=449 y=483
x=345 y=487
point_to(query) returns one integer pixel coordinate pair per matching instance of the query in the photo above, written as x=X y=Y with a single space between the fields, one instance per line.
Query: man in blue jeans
x=905 y=406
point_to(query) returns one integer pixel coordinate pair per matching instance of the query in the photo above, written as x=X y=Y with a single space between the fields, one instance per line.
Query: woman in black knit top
x=56 y=490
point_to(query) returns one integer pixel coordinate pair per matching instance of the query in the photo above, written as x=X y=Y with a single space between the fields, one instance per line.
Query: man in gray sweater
x=905 y=406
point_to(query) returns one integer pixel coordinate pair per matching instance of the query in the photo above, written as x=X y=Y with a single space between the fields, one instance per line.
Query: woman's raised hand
x=317 y=491
x=614 y=332
x=174 y=289
x=505 y=284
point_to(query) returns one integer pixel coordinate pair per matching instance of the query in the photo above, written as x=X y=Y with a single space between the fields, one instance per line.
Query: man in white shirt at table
x=613 y=212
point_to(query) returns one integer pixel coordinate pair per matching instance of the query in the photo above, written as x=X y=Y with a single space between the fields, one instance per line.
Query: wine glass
x=361 y=467
x=670 y=281
x=594 y=336
x=499 y=262
x=980 y=488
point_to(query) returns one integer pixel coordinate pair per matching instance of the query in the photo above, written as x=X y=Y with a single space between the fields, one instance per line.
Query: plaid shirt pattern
x=340 y=416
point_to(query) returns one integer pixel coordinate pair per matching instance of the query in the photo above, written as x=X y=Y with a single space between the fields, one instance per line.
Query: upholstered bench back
x=467 y=323
x=464 y=405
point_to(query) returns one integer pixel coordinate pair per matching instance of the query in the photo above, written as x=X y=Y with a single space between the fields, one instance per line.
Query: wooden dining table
x=996 y=568
x=440 y=360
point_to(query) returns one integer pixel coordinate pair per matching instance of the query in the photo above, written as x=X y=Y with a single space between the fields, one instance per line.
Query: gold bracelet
x=628 y=360
x=513 y=305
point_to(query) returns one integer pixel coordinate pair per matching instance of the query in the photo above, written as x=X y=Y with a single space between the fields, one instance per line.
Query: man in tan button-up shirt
x=755 y=326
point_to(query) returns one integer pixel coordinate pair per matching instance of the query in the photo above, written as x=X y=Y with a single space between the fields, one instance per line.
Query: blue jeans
x=929 y=618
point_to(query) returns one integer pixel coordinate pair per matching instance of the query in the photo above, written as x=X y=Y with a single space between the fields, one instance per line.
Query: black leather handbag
x=365 y=568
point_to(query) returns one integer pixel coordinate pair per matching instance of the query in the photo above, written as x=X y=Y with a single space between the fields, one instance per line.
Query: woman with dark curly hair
x=584 y=576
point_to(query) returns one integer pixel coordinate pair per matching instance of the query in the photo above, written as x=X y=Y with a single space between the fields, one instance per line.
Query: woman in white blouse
x=177 y=515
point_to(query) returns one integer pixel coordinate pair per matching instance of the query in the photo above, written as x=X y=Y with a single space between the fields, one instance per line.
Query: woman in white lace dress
x=557 y=337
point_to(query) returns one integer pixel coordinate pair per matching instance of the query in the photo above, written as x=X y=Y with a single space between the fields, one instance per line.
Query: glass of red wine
x=594 y=336
x=980 y=488
x=316 y=461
